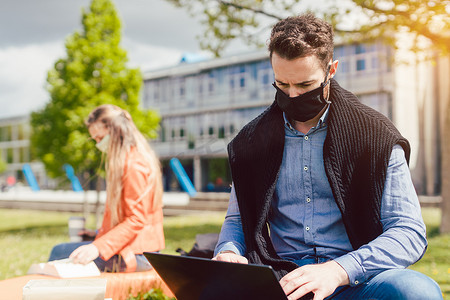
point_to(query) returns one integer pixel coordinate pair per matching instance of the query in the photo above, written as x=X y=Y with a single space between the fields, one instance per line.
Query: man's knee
x=408 y=284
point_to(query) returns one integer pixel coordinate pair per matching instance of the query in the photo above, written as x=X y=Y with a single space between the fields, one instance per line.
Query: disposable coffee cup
x=76 y=224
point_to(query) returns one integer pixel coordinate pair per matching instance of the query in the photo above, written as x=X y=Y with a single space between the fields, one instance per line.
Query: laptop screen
x=192 y=278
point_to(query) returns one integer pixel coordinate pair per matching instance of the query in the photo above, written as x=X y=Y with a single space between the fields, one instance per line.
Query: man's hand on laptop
x=230 y=256
x=321 y=279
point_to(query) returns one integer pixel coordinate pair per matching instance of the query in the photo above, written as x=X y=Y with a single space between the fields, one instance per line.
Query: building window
x=211 y=130
x=3 y=134
x=232 y=83
x=254 y=71
x=360 y=49
x=7 y=133
x=23 y=132
x=242 y=82
x=221 y=132
x=360 y=65
x=24 y=155
x=339 y=51
x=211 y=80
x=345 y=67
x=163 y=134
x=156 y=90
x=265 y=64
x=182 y=132
x=265 y=79
x=10 y=155
x=182 y=87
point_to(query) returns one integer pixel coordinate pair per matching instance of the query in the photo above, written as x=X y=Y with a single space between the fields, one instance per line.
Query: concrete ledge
x=119 y=285
x=430 y=201
x=175 y=203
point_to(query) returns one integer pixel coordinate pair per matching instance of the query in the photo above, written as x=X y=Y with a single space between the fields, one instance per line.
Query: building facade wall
x=204 y=105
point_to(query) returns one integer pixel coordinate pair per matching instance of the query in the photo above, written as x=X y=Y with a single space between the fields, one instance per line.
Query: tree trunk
x=445 y=204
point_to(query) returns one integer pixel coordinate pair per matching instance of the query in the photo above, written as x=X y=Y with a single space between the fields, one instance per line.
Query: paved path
x=175 y=203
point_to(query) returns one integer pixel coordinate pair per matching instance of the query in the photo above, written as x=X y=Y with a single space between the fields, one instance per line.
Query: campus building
x=204 y=104
x=15 y=149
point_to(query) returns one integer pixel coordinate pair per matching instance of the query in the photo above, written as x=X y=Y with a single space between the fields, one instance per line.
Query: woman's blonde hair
x=123 y=135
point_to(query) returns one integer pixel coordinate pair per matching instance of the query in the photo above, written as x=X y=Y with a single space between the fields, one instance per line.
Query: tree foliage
x=355 y=20
x=93 y=73
x=427 y=20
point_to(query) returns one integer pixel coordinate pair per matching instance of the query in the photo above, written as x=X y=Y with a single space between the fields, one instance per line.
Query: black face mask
x=304 y=107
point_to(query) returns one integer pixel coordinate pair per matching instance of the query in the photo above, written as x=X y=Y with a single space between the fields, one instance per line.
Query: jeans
x=388 y=285
x=392 y=284
x=114 y=264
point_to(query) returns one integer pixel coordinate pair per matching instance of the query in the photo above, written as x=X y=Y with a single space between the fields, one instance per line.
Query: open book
x=64 y=268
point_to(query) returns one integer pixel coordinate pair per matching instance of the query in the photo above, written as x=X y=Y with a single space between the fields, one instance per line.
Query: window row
x=15 y=155
x=14 y=132
x=250 y=76
x=218 y=125
x=363 y=63
x=355 y=49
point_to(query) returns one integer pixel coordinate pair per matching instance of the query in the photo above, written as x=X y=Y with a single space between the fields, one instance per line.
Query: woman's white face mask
x=103 y=144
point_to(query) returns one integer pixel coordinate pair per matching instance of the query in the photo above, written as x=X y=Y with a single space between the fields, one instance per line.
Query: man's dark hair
x=301 y=36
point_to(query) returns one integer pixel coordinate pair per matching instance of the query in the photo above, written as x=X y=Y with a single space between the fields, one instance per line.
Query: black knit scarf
x=356 y=155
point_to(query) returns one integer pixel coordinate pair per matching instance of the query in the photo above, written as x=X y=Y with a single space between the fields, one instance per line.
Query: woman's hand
x=84 y=254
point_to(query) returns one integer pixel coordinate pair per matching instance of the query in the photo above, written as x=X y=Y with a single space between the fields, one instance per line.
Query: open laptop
x=193 y=278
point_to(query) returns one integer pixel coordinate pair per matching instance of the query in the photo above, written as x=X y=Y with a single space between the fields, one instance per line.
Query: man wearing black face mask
x=321 y=186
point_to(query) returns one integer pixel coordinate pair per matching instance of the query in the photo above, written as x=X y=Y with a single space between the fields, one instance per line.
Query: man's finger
x=319 y=296
x=301 y=291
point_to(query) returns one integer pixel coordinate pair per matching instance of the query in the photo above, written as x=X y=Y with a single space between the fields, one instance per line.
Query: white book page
x=65 y=268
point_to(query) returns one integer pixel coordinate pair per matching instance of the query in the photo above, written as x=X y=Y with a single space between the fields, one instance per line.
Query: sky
x=32 y=37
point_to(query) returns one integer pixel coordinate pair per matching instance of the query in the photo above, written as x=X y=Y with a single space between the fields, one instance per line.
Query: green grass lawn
x=28 y=236
x=436 y=261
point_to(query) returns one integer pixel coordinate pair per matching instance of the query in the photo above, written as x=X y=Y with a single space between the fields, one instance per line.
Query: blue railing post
x=182 y=177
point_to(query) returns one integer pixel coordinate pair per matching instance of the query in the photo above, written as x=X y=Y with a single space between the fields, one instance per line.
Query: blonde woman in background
x=133 y=218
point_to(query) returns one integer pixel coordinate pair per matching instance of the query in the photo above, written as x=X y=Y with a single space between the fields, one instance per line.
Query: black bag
x=204 y=246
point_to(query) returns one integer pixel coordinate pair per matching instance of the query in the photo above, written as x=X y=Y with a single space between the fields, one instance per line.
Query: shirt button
x=305 y=168
x=308 y=200
x=307 y=228
x=356 y=282
x=306 y=137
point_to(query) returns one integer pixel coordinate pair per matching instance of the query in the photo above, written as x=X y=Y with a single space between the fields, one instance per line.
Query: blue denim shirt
x=306 y=223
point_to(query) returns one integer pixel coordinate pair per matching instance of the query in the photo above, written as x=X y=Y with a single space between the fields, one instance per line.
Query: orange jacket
x=141 y=229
